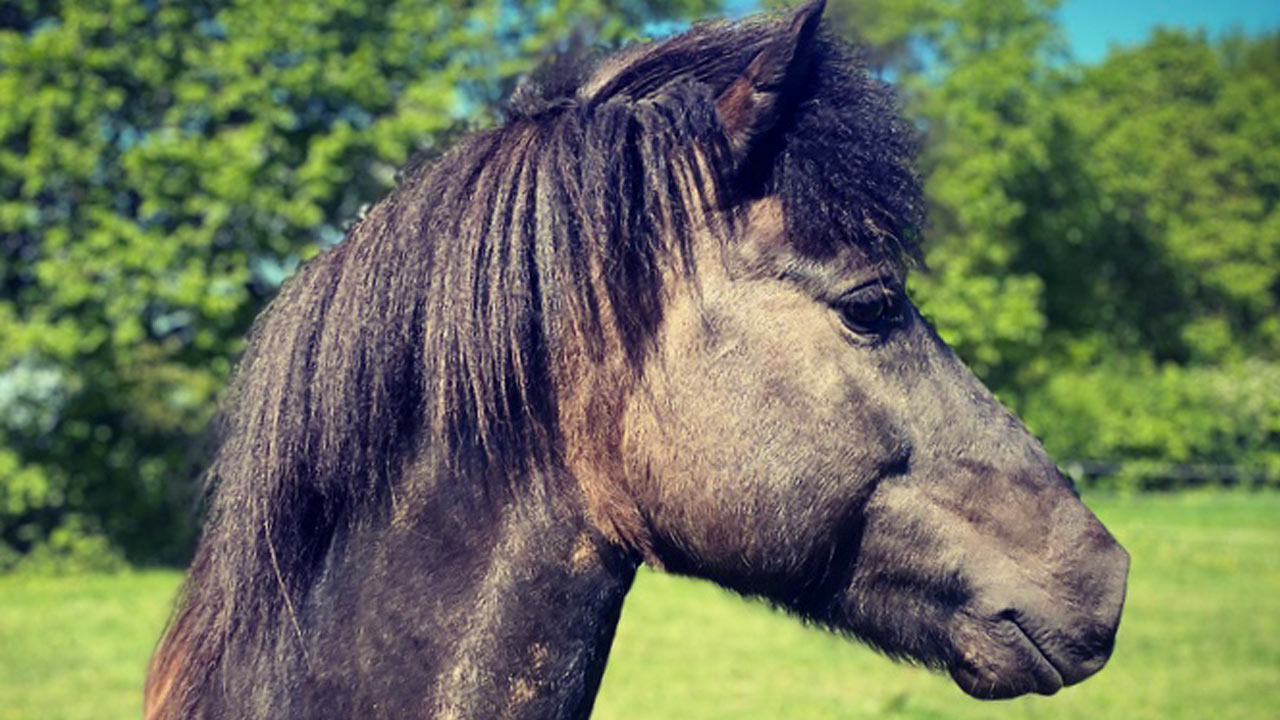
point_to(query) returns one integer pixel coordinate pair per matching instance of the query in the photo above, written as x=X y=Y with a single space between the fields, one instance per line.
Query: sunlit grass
x=1200 y=638
x=75 y=648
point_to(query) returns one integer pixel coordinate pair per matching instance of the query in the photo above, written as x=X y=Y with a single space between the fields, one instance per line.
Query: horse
x=656 y=317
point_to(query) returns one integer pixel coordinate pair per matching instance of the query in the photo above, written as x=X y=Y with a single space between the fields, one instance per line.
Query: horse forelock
x=842 y=156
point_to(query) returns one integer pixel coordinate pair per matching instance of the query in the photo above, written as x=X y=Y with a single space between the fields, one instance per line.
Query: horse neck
x=473 y=609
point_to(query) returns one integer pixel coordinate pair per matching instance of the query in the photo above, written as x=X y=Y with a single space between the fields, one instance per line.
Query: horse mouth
x=1008 y=664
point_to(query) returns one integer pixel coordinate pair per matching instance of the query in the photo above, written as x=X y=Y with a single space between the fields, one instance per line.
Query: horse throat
x=469 y=611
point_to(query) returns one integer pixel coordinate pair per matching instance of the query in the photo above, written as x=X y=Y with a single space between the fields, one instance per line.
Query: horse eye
x=873 y=311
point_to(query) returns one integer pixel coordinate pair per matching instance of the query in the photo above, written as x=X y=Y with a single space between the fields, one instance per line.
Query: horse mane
x=429 y=336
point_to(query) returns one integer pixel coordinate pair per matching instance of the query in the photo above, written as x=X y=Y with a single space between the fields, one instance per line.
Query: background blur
x=1104 y=252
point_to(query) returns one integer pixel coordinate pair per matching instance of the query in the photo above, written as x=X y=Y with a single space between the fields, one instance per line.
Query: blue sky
x=1093 y=26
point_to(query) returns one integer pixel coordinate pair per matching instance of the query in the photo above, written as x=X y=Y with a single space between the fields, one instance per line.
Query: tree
x=1181 y=138
x=1101 y=235
x=1161 y=261
x=163 y=166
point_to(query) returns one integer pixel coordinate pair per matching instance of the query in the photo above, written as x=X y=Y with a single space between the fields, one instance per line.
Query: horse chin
x=995 y=659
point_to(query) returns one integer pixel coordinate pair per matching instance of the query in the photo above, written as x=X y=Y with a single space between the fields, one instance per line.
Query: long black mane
x=430 y=335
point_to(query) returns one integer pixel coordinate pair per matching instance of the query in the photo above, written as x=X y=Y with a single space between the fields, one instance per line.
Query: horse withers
x=656 y=317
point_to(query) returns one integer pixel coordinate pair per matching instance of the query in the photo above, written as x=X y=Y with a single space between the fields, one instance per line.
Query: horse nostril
x=1075 y=644
x=1008 y=614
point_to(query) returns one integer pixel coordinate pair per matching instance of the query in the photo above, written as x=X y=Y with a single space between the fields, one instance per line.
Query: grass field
x=1200 y=639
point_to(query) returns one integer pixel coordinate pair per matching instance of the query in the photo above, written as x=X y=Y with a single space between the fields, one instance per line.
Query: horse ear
x=750 y=106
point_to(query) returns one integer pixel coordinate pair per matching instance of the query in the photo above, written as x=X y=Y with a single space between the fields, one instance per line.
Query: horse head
x=657 y=316
x=795 y=429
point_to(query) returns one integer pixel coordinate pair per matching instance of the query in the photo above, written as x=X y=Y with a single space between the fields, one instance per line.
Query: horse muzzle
x=1043 y=641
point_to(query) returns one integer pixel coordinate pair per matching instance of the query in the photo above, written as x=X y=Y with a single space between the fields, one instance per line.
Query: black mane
x=429 y=336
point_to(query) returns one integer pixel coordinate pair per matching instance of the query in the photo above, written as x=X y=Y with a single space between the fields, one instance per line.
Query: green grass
x=1200 y=639
x=76 y=648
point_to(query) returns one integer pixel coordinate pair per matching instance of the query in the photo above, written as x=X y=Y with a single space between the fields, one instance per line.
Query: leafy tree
x=1158 y=241
x=1164 y=426
x=1104 y=246
x=163 y=165
x=1182 y=145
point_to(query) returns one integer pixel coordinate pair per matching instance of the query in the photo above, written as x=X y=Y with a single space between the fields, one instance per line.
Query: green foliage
x=1156 y=231
x=1105 y=248
x=1182 y=142
x=71 y=548
x=162 y=167
x=1172 y=425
